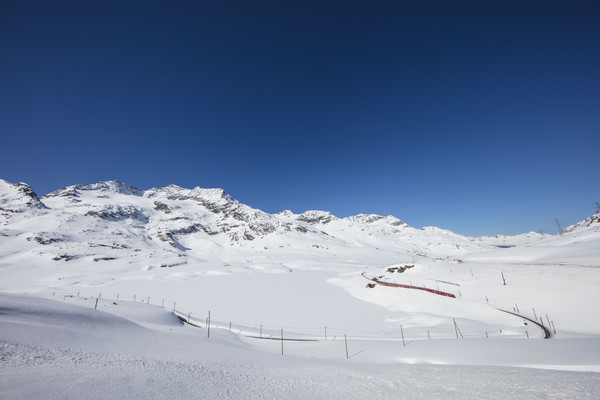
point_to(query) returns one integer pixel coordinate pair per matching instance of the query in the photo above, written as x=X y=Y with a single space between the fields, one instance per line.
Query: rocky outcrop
x=118 y=213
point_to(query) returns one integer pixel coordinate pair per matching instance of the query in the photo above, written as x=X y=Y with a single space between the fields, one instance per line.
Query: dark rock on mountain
x=117 y=213
x=314 y=217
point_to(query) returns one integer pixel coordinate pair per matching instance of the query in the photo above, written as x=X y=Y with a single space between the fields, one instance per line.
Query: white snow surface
x=145 y=255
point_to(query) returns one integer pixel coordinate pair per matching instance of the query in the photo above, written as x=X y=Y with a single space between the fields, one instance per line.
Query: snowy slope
x=314 y=275
x=199 y=246
x=56 y=349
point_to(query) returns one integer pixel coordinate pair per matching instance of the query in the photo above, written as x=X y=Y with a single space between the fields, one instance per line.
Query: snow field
x=154 y=356
x=199 y=251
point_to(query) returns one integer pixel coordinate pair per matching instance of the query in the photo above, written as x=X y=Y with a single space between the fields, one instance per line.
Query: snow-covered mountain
x=589 y=224
x=250 y=275
x=17 y=198
x=114 y=235
x=107 y=221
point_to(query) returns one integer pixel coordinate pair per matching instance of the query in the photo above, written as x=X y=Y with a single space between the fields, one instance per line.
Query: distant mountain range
x=110 y=220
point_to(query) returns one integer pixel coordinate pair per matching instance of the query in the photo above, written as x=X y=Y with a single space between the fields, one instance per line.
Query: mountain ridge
x=78 y=221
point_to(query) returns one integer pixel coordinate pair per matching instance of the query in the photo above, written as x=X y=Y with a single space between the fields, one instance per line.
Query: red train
x=438 y=292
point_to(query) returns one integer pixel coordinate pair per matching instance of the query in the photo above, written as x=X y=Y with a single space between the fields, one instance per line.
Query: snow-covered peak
x=17 y=197
x=213 y=195
x=169 y=190
x=201 y=195
x=364 y=218
x=69 y=191
x=590 y=222
x=317 y=217
x=511 y=241
x=115 y=186
x=391 y=220
x=372 y=218
x=286 y=214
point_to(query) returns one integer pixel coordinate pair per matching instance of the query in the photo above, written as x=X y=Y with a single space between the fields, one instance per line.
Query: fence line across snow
x=312 y=334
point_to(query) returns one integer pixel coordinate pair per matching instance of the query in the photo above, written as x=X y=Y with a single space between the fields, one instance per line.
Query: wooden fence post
x=402 y=331
x=346 y=341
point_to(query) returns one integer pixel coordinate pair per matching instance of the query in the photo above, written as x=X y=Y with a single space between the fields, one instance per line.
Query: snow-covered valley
x=93 y=277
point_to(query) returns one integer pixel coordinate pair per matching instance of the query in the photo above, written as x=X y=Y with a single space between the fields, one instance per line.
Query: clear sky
x=482 y=117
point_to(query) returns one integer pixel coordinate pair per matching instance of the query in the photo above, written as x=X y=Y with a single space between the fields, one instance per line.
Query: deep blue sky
x=481 y=117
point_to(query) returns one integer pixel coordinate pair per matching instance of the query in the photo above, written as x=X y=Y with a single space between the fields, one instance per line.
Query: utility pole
x=559 y=226
x=457 y=329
